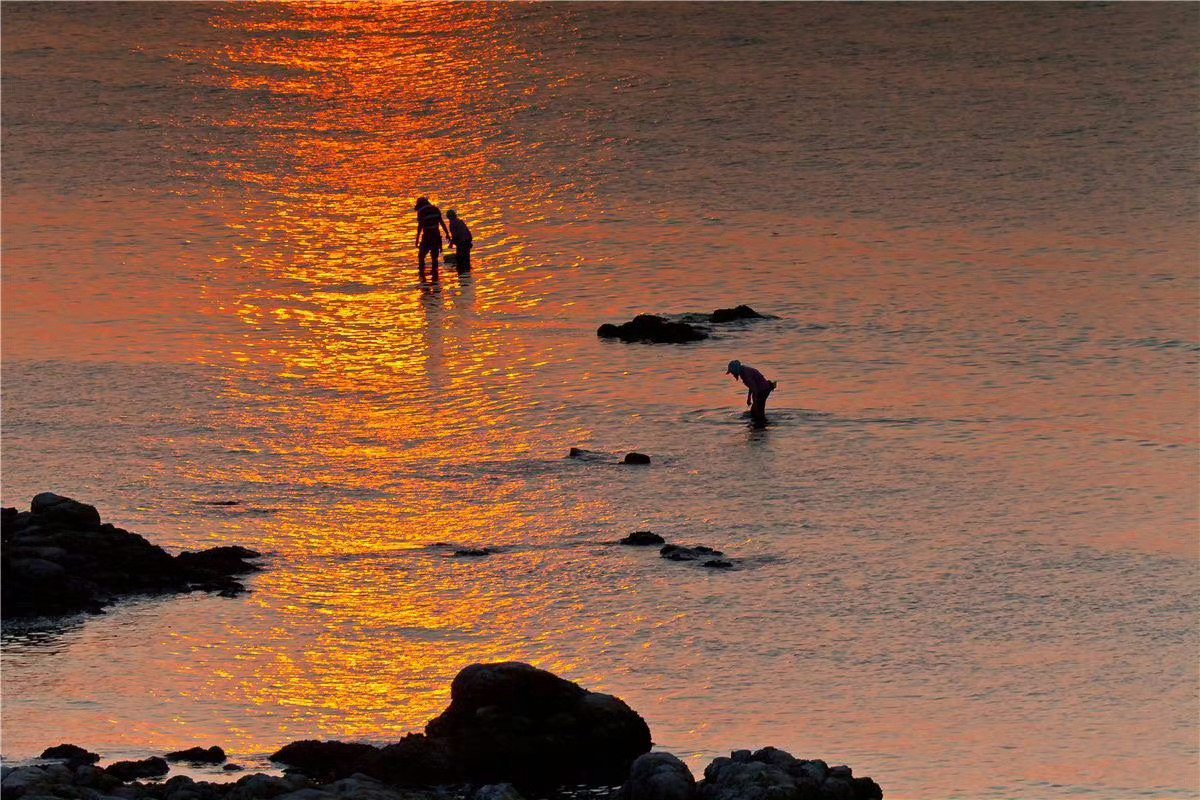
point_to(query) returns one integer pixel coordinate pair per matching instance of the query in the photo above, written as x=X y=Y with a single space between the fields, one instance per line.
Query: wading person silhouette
x=429 y=237
x=460 y=240
x=758 y=388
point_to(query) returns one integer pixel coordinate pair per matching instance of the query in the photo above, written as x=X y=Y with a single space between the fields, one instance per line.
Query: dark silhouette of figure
x=758 y=388
x=460 y=240
x=429 y=237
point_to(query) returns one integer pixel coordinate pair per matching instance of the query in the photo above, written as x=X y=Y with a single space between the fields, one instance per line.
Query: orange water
x=966 y=542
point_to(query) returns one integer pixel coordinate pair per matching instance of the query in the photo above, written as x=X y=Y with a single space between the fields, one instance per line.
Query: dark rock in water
x=58 y=558
x=516 y=723
x=651 y=328
x=677 y=552
x=231 y=767
x=151 y=767
x=641 y=538
x=324 y=760
x=220 y=561
x=71 y=753
x=473 y=551
x=198 y=755
x=636 y=458
x=658 y=776
x=738 y=312
x=718 y=563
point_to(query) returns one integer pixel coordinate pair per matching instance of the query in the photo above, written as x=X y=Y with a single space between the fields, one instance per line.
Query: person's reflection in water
x=434 y=334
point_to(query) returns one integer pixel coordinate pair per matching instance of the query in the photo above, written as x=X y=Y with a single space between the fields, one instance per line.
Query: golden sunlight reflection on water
x=332 y=305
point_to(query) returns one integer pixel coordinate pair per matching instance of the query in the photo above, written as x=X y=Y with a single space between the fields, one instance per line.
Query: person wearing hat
x=460 y=239
x=757 y=388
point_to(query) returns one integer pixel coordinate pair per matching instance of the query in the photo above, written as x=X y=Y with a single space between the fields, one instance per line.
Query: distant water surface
x=965 y=546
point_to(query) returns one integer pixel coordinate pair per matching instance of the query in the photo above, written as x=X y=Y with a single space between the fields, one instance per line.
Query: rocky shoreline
x=511 y=731
x=58 y=558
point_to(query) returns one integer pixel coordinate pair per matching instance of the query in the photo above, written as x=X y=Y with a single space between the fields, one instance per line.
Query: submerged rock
x=636 y=458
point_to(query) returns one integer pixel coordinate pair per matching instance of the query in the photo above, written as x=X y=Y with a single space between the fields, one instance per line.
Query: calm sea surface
x=966 y=543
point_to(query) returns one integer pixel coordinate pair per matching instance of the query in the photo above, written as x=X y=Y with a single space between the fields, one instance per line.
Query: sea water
x=964 y=547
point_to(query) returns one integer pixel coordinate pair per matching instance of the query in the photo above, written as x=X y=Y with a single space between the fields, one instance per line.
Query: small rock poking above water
x=198 y=755
x=58 y=558
x=636 y=458
x=643 y=538
x=737 y=312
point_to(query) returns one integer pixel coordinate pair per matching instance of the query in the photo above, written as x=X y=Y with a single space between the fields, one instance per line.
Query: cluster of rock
x=705 y=555
x=511 y=730
x=653 y=328
x=766 y=774
x=507 y=722
x=59 y=558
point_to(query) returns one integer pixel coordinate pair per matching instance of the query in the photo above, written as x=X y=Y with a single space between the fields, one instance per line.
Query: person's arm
x=447 y=230
x=417 y=243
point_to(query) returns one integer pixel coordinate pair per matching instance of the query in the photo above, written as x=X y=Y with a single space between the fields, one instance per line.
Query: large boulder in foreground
x=506 y=723
x=58 y=558
x=513 y=722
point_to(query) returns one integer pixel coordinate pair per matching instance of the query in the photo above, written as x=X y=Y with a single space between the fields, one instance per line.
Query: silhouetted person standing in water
x=460 y=239
x=758 y=388
x=429 y=238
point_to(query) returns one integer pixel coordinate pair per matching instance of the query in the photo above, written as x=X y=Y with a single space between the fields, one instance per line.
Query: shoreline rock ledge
x=507 y=722
x=511 y=731
x=58 y=558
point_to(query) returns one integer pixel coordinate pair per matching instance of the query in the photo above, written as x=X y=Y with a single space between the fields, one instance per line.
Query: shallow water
x=965 y=544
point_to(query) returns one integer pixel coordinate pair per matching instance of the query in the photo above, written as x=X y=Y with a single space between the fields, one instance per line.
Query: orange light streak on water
x=333 y=304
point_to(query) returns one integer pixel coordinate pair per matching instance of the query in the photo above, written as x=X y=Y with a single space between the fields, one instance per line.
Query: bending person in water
x=758 y=388
x=460 y=238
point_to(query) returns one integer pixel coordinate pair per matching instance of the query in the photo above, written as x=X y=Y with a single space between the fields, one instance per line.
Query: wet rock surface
x=59 y=558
